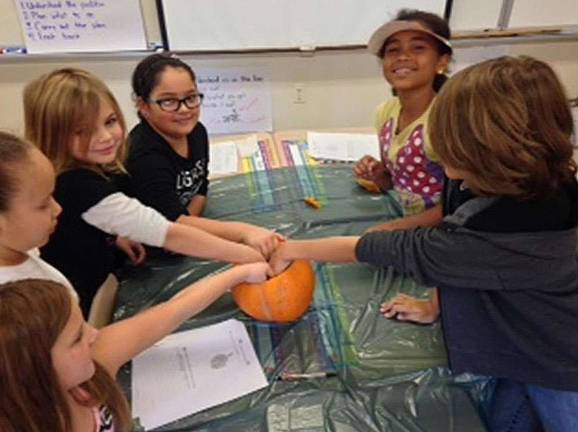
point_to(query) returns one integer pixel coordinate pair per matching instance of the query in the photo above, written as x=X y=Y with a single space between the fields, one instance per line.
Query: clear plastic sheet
x=382 y=375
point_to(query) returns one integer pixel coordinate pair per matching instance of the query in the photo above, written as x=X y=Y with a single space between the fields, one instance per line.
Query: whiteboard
x=221 y=25
x=541 y=13
x=51 y=26
x=11 y=34
x=238 y=24
x=475 y=15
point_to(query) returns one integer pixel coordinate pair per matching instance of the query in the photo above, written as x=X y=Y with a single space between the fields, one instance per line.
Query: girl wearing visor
x=415 y=52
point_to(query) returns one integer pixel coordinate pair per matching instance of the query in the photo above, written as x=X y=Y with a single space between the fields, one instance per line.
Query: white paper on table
x=247 y=146
x=223 y=158
x=194 y=370
x=342 y=146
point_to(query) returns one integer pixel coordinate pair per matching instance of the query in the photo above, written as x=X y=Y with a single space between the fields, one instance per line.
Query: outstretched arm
x=429 y=218
x=261 y=239
x=333 y=249
x=121 y=215
x=118 y=343
x=190 y=240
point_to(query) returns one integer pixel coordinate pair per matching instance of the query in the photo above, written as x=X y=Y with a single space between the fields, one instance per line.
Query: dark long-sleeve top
x=507 y=273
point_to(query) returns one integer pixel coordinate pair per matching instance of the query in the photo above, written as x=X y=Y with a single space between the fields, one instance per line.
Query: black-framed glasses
x=174 y=104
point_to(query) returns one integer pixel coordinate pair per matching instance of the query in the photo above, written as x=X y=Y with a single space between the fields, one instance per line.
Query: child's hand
x=278 y=262
x=405 y=308
x=369 y=168
x=256 y=272
x=262 y=240
x=365 y=167
x=134 y=250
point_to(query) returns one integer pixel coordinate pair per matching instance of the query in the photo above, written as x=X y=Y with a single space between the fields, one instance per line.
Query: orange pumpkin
x=282 y=298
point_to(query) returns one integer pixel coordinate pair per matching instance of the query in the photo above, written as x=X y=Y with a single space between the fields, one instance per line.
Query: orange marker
x=312 y=202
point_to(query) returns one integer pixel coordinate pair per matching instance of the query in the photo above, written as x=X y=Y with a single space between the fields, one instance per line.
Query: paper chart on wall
x=194 y=370
x=55 y=26
x=236 y=100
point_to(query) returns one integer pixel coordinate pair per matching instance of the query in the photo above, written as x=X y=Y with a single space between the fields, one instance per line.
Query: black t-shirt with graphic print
x=160 y=177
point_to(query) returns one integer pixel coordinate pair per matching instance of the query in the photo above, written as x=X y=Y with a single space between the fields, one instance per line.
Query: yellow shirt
x=408 y=156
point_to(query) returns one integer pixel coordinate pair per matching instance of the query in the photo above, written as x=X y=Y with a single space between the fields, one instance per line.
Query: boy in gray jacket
x=504 y=257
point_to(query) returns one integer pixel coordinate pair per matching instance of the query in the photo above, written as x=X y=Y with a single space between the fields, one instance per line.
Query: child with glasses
x=169 y=149
x=75 y=120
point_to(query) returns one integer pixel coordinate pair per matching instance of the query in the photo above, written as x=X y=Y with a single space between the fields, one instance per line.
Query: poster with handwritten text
x=57 y=26
x=236 y=100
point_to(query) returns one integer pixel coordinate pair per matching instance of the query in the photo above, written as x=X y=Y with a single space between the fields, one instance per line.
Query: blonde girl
x=76 y=121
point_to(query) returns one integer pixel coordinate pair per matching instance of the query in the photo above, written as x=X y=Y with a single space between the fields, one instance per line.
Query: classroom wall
x=340 y=88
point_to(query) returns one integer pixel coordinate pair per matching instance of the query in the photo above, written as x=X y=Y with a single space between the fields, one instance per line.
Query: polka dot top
x=417 y=176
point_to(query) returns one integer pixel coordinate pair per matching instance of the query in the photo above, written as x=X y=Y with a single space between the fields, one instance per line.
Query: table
x=389 y=376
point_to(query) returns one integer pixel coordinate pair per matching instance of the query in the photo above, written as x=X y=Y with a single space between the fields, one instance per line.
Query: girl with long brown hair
x=57 y=371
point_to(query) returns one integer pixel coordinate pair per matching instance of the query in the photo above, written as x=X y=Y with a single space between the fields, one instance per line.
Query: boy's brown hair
x=507 y=123
x=62 y=103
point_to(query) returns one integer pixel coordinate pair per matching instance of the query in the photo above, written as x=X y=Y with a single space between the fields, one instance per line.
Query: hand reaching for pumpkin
x=256 y=272
x=262 y=240
x=278 y=261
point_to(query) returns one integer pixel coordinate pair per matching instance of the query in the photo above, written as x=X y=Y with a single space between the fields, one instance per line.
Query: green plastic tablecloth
x=390 y=376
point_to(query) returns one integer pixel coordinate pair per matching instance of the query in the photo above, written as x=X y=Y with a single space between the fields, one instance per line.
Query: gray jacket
x=509 y=301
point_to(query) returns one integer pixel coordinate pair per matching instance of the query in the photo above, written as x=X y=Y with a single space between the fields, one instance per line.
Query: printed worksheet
x=194 y=370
